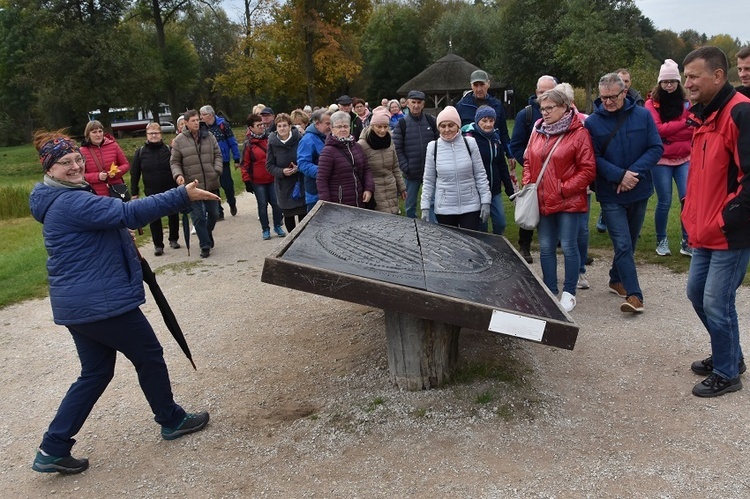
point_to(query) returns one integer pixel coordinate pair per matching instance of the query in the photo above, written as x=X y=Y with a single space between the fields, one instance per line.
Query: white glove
x=484 y=212
x=425 y=215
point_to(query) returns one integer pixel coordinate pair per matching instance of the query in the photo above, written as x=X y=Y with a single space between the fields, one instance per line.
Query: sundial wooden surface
x=458 y=277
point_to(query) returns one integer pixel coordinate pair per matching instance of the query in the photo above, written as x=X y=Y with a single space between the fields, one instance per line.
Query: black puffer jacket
x=151 y=160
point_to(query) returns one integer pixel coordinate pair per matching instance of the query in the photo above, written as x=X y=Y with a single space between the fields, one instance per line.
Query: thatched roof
x=450 y=74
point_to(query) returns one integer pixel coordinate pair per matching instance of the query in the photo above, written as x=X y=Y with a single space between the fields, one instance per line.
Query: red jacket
x=102 y=157
x=675 y=134
x=717 y=202
x=254 y=161
x=569 y=172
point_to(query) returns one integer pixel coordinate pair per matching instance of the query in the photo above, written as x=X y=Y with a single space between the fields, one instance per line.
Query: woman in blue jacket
x=96 y=289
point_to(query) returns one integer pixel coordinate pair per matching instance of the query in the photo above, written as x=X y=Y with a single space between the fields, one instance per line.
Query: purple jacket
x=343 y=173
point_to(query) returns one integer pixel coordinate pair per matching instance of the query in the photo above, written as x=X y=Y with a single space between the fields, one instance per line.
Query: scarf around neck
x=377 y=142
x=560 y=126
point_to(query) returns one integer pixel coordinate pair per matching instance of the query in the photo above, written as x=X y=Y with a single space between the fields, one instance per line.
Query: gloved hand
x=484 y=212
x=426 y=215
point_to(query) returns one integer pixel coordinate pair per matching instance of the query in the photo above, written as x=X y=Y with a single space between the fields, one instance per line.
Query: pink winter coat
x=101 y=158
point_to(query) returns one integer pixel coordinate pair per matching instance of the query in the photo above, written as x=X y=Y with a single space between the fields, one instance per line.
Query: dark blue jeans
x=713 y=280
x=565 y=228
x=204 y=215
x=265 y=194
x=97 y=344
x=624 y=222
x=227 y=183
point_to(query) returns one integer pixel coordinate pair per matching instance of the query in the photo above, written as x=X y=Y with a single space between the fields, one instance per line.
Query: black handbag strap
x=620 y=121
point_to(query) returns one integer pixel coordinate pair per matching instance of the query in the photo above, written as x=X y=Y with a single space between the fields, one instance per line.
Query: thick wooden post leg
x=421 y=353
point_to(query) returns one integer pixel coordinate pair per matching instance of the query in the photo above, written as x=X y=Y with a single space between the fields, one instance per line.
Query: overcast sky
x=711 y=17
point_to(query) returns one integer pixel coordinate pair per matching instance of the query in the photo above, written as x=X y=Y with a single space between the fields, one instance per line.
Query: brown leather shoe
x=618 y=289
x=632 y=304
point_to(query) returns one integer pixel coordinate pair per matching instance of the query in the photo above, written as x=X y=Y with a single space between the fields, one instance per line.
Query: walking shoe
x=158 y=251
x=193 y=422
x=279 y=231
x=567 y=301
x=583 y=283
x=618 y=289
x=706 y=366
x=67 y=465
x=589 y=260
x=525 y=250
x=662 y=248
x=205 y=252
x=220 y=218
x=174 y=245
x=601 y=227
x=632 y=304
x=233 y=210
x=715 y=386
x=685 y=249
x=266 y=234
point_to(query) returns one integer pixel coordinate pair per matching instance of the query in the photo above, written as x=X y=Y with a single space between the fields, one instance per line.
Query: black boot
x=525 y=249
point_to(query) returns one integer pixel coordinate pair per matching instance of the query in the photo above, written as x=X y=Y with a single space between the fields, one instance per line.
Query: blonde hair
x=153 y=126
x=258 y=108
x=91 y=126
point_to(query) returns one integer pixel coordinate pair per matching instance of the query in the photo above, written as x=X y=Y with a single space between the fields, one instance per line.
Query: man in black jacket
x=152 y=160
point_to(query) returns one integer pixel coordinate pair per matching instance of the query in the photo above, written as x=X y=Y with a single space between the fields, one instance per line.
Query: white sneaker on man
x=567 y=301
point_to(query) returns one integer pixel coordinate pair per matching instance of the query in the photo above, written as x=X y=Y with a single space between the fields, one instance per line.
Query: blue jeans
x=583 y=238
x=624 y=222
x=412 y=197
x=713 y=280
x=97 y=344
x=227 y=183
x=497 y=215
x=265 y=194
x=204 y=215
x=563 y=227
x=663 y=176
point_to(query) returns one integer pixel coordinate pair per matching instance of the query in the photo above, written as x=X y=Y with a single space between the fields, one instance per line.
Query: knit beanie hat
x=449 y=114
x=380 y=116
x=484 y=112
x=669 y=71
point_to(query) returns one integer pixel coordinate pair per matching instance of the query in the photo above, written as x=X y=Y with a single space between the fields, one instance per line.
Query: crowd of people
x=457 y=165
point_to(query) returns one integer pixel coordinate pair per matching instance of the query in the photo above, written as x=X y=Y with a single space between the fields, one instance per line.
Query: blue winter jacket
x=467 y=109
x=94 y=270
x=636 y=147
x=410 y=138
x=308 y=152
x=227 y=142
x=491 y=149
x=522 y=129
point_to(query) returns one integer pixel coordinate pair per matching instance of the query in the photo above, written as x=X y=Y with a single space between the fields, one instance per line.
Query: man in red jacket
x=717 y=214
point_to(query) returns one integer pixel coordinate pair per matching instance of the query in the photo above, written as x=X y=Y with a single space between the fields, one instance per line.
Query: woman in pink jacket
x=106 y=164
x=670 y=111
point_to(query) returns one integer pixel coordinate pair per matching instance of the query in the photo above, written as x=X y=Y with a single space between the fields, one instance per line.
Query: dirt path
x=301 y=404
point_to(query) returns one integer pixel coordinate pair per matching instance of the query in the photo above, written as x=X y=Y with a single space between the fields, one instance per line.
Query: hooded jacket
x=101 y=158
x=308 y=152
x=254 y=161
x=454 y=177
x=569 y=172
x=493 y=157
x=343 y=173
x=279 y=156
x=151 y=161
x=197 y=159
x=224 y=135
x=717 y=202
x=386 y=174
x=636 y=147
x=93 y=266
x=467 y=109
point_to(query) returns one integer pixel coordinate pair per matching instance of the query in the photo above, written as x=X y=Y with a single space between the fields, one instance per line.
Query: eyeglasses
x=68 y=163
x=547 y=109
x=612 y=98
x=341 y=127
x=670 y=82
x=153 y=133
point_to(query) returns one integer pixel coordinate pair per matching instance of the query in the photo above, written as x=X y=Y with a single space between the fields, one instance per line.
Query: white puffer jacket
x=458 y=182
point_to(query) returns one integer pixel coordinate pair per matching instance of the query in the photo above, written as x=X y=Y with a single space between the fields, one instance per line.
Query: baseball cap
x=479 y=75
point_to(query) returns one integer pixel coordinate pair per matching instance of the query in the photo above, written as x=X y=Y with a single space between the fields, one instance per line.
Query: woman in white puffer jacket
x=455 y=183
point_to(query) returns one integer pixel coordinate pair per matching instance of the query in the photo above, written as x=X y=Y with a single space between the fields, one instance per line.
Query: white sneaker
x=662 y=248
x=567 y=301
x=193 y=230
x=583 y=283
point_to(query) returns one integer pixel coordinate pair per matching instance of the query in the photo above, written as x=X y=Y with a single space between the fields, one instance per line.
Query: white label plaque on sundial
x=517 y=325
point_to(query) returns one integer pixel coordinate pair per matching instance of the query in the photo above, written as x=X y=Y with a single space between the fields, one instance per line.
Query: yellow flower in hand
x=113 y=170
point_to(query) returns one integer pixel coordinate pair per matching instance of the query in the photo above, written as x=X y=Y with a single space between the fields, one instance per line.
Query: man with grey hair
x=221 y=130
x=308 y=152
x=627 y=145
x=522 y=129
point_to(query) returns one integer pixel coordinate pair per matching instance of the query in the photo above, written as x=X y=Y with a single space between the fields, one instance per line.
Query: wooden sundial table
x=431 y=280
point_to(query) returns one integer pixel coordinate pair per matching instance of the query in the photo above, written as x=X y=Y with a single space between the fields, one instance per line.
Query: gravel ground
x=301 y=404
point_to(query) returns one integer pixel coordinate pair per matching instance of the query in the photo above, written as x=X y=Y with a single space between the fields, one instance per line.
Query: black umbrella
x=186 y=231
x=166 y=311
